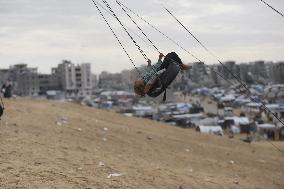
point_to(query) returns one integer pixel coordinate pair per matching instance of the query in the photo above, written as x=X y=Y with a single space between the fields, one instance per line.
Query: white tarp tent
x=228 y=98
x=190 y=116
x=239 y=120
x=214 y=130
x=142 y=110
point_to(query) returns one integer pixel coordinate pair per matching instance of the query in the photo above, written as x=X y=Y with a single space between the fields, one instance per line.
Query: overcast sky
x=43 y=32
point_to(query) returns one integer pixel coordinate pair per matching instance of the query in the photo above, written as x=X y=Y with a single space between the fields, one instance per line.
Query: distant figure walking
x=7 y=89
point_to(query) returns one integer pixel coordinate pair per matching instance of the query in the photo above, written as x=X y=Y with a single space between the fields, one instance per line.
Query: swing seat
x=165 y=79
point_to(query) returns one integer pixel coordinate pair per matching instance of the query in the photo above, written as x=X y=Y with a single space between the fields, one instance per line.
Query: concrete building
x=230 y=66
x=16 y=70
x=277 y=73
x=214 y=74
x=64 y=77
x=47 y=82
x=94 y=81
x=259 y=69
x=27 y=84
x=83 y=79
x=198 y=71
x=111 y=81
x=245 y=73
x=4 y=76
x=24 y=79
x=75 y=81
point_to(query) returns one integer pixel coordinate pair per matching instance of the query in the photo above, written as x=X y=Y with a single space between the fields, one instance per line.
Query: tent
x=215 y=130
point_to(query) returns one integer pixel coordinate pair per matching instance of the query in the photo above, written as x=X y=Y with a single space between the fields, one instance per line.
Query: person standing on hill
x=7 y=89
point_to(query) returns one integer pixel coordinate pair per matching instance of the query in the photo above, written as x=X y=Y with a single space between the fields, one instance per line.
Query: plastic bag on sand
x=114 y=175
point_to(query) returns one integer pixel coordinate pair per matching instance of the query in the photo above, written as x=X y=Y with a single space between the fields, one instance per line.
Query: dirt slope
x=40 y=150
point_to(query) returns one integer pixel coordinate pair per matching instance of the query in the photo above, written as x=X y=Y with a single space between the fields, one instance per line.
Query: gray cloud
x=44 y=32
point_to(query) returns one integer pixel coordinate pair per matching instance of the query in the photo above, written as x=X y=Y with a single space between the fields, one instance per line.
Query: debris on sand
x=182 y=187
x=64 y=120
x=149 y=138
x=114 y=175
x=236 y=181
x=207 y=179
x=61 y=121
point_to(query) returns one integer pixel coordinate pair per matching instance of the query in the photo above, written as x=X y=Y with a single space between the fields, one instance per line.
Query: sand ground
x=61 y=145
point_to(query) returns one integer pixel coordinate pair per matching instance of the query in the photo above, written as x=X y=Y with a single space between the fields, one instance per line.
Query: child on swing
x=144 y=84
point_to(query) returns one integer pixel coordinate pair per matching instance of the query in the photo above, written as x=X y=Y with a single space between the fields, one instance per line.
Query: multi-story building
x=47 y=82
x=277 y=73
x=83 y=79
x=18 y=69
x=198 y=71
x=245 y=73
x=214 y=74
x=111 y=81
x=94 y=81
x=27 y=84
x=75 y=81
x=4 y=76
x=25 y=80
x=230 y=65
x=259 y=69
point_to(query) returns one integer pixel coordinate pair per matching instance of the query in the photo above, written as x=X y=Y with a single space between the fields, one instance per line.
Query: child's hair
x=172 y=57
x=139 y=87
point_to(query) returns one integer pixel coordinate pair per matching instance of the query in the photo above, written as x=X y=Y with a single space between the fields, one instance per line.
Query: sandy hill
x=61 y=145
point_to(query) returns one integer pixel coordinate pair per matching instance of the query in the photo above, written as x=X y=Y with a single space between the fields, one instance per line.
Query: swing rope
x=238 y=79
x=139 y=48
x=129 y=29
x=227 y=69
x=162 y=33
x=122 y=5
x=112 y=14
x=153 y=45
x=138 y=26
x=281 y=14
x=136 y=44
x=116 y=37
